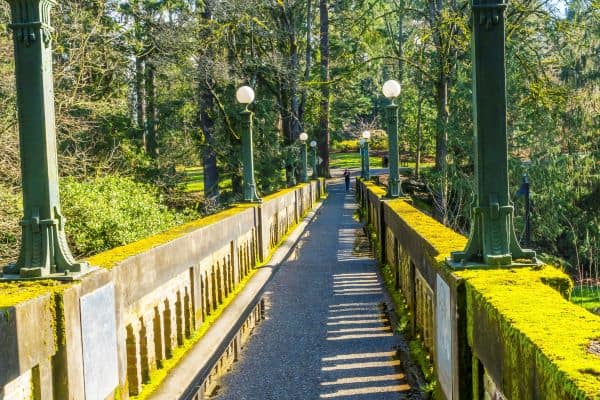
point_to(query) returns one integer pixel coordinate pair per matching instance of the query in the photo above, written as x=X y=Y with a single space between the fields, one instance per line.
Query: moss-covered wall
x=168 y=290
x=515 y=322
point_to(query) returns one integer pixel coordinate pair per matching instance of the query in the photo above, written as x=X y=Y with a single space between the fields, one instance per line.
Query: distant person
x=347 y=179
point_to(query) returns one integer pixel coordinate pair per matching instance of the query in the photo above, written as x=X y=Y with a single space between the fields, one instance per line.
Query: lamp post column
x=44 y=249
x=492 y=239
x=315 y=174
x=304 y=156
x=250 y=194
x=361 y=151
x=291 y=162
x=391 y=90
x=394 y=189
x=367 y=168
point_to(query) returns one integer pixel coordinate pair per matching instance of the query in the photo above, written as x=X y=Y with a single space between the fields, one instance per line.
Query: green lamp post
x=391 y=90
x=492 y=241
x=245 y=96
x=313 y=145
x=44 y=250
x=291 y=163
x=304 y=156
x=361 y=151
x=366 y=135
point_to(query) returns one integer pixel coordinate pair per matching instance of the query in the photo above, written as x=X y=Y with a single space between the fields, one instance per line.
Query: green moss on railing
x=536 y=319
x=441 y=238
x=110 y=258
x=529 y=305
x=377 y=190
x=12 y=293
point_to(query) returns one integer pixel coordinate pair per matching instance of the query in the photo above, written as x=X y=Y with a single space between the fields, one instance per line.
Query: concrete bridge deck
x=326 y=333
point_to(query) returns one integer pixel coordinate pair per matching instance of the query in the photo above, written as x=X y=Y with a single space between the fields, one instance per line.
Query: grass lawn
x=194 y=180
x=352 y=160
x=586 y=296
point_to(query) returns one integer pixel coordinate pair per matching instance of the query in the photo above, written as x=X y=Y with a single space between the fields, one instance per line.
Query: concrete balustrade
x=503 y=333
x=111 y=334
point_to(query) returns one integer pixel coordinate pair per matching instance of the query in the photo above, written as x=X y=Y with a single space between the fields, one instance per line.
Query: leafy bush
x=106 y=212
x=10 y=230
x=345 y=146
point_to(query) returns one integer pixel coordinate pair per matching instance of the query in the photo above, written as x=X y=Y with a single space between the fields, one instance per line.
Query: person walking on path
x=347 y=179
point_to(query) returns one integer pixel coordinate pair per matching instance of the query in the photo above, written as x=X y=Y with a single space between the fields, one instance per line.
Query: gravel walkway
x=325 y=334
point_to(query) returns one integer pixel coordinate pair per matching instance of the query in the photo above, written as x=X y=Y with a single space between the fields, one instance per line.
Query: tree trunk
x=308 y=61
x=151 y=111
x=441 y=96
x=294 y=67
x=286 y=118
x=419 y=131
x=140 y=95
x=323 y=137
x=206 y=122
x=400 y=78
x=441 y=149
x=295 y=122
x=401 y=43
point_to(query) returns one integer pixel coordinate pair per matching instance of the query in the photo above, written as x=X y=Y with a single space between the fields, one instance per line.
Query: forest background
x=145 y=95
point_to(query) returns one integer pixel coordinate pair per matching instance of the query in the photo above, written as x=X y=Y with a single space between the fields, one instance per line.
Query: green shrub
x=107 y=212
x=345 y=146
x=10 y=230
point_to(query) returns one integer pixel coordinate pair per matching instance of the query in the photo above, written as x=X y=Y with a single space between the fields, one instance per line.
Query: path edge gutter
x=185 y=380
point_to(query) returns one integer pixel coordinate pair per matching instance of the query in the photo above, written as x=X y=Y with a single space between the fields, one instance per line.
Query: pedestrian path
x=326 y=333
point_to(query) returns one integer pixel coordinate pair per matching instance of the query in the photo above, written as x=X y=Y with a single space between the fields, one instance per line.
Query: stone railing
x=115 y=333
x=491 y=333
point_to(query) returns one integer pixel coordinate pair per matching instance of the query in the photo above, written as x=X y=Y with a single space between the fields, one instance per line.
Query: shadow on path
x=326 y=333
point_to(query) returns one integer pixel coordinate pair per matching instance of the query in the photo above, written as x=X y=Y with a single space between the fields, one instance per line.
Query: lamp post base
x=492 y=241
x=34 y=274
x=461 y=265
x=250 y=195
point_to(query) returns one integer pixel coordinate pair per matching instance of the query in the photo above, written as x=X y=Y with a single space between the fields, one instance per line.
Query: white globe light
x=391 y=89
x=366 y=135
x=245 y=95
x=313 y=144
x=304 y=136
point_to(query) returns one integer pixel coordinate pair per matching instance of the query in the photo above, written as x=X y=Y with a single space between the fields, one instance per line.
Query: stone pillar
x=492 y=240
x=44 y=249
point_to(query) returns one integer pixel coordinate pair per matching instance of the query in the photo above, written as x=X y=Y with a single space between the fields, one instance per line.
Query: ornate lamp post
x=361 y=151
x=290 y=165
x=245 y=96
x=492 y=240
x=44 y=250
x=367 y=169
x=391 y=90
x=303 y=155
x=313 y=146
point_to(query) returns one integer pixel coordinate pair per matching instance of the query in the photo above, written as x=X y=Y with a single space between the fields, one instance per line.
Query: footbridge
x=316 y=291
x=307 y=304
